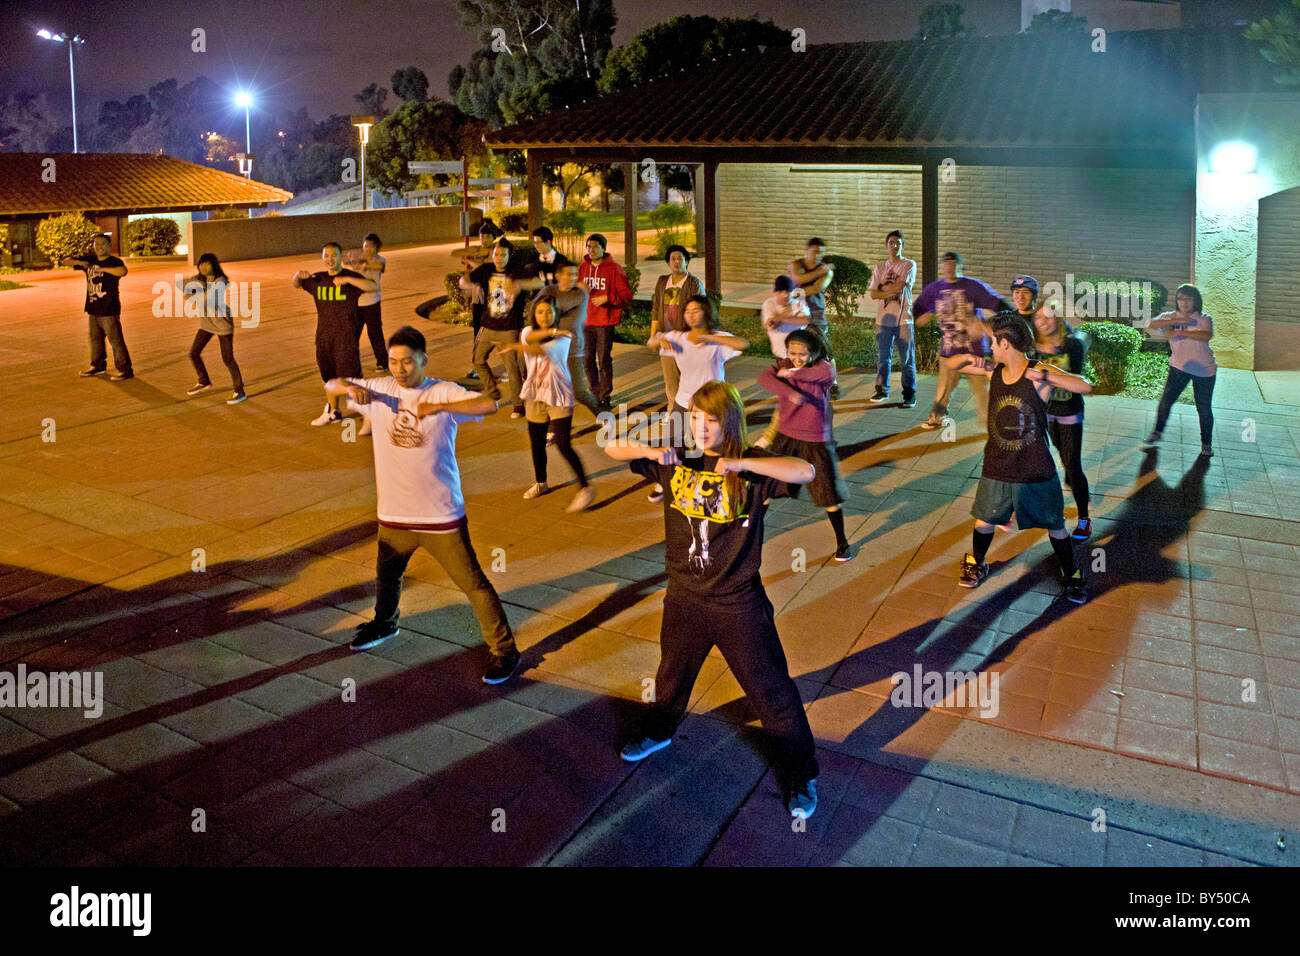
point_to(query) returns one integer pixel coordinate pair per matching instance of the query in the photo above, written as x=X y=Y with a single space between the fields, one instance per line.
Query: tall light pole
x=245 y=99
x=71 y=41
x=363 y=124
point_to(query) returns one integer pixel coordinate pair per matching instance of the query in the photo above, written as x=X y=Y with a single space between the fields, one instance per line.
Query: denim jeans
x=1202 y=391
x=886 y=337
x=110 y=327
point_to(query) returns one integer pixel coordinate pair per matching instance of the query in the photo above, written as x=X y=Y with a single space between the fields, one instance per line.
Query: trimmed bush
x=153 y=236
x=852 y=280
x=1111 y=347
x=928 y=340
x=457 y=296
x=570 y=232
x=670 y=220
x=230 y=212
x=1113 y=285
x=633 y=278
x=515 y=219
x=69 y=234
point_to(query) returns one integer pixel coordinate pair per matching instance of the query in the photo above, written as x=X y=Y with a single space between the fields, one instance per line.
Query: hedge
x=69 y=234
x=1111 y=348
x=152 y=236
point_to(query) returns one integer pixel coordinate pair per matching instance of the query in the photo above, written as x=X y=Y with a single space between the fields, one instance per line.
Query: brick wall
x=1004 y=220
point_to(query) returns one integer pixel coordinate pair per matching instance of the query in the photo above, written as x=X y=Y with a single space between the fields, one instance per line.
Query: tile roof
x=132 y=182
x=1007 y=91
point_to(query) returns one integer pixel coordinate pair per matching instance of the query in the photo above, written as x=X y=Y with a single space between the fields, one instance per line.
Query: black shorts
x=1037 y=504
x=828 y=488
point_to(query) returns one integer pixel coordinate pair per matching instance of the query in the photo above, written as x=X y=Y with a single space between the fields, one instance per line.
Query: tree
x=422 y=130
x=683 y=43
x=536 y=55
x=27 y=123
x=372 y=100
x=69 y=234
x=1279 y=40
x=1057 y=21
x=410 y=84
x=941 y=20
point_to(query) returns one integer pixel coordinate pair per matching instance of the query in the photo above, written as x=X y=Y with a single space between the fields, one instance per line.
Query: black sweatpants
x=337 y=355
x=562 y=428
x=370 y=317
x=1068 y=440
x=746 y=635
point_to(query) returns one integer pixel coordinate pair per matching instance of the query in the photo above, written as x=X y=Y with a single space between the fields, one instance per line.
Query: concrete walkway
x=210 y=562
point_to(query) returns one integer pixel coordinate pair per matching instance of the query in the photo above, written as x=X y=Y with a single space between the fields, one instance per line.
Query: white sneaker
x=538 y=488
x=236 y=398
x=327 y=417
x=583 y=499
x=763 y=443
x=365 y=427
x=550 y=438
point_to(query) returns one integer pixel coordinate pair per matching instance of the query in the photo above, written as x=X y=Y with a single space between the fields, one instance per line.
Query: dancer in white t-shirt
x=1189 y=331
x=417 y=483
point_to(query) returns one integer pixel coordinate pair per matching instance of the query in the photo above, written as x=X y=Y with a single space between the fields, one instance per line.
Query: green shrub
x=633 y=278
x=852 y=280
x=928 y=340
x=153 y=236
x=455 y=294
x=1111 y=347
x=1159 y=295
x=69 y=234
x=514 y=219
x=669 y=221
x=229 y=212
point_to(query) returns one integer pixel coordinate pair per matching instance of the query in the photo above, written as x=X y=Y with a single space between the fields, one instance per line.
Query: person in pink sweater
x=801 y=383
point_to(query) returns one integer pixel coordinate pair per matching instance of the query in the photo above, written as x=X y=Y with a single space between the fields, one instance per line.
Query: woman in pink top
x=801 y=383
x=1189 y=331
x=548 y=397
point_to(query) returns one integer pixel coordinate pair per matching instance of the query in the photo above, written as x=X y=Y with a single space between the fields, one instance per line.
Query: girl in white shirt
x=700 y=353
x=548 y=397
x=1189 y=331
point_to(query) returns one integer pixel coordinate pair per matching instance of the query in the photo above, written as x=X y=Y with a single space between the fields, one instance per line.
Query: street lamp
x=71 y=41
x=245 y=99
x=363 y=124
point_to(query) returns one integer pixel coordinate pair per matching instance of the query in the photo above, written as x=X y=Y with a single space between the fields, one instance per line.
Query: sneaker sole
x=502 y=680
x=1081 y=599
x=374 y=642
x=802 y=814
x=637 y=758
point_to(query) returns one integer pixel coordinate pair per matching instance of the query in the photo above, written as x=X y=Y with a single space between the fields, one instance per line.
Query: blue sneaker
x=640 y=749
x=803 y=801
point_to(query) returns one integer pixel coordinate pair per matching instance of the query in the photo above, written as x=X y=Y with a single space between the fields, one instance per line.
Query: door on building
x=1277 y=307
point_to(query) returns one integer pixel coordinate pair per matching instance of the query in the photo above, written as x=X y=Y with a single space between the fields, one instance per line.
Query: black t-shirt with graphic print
x=1062 y=403
x=1017 y=449
x=713 y=546
x=101 y=289
x=500 y=310
x=334 y=303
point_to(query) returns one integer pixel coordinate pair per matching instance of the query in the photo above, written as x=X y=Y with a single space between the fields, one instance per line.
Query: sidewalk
x=211 y=563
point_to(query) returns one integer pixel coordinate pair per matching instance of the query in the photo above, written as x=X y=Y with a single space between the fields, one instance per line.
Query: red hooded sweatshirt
x=605 y=278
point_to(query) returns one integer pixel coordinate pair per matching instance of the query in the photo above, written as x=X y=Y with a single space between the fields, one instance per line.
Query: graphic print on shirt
x=1012 y=425
x=95 y=284
x=1062 y=362
x=953 y=310
x=702 y=498
x=498 y=299
x=405 y=431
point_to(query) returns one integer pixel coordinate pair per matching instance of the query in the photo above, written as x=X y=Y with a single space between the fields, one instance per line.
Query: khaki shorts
x=541 y=412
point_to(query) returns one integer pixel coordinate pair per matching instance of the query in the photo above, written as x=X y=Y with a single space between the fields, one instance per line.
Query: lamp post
x=363 y=124
x=245 y=99
x=71 y=41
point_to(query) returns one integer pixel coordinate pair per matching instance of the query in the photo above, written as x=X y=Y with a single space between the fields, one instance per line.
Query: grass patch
x=6 y=284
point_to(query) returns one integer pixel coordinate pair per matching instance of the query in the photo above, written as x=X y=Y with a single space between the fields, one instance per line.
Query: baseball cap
x=1025 y=282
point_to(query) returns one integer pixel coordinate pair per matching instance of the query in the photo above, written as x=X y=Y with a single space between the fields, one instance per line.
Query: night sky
x=319 y=54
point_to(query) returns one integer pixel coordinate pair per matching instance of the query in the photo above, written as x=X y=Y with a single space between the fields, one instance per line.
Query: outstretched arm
x=793 y=471
x=1058 y=378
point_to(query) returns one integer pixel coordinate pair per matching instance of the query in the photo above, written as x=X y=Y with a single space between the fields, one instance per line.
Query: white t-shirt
x=791 y=316
x=372 y=298
x=417 y=479
x=698 y=363
x=898 y=310
x=1192 y=356
x=548 y=375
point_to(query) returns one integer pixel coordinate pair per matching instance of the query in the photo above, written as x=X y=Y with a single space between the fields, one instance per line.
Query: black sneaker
x=198 y=387
x=972 y=572
x=502 y=668
x=880 y=396
x=90 y=372
x=844 y=553
x=121 y=376
x=909 y=401
x=1074 y=591
x=803 y=802
x=835 y=391
x=372 y=633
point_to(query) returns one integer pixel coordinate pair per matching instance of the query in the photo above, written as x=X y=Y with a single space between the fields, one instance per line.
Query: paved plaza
x=212 y=561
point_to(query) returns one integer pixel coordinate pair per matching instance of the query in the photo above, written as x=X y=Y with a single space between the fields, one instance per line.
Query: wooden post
x=629 y=213
x=929 y=219
x=534 y=191
x=707 y=200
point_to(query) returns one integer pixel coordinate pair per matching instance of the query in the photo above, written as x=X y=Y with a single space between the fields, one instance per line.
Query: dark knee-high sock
x=837 y=522
x=1064 y=555
x=980 y=542
x=563 y=443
